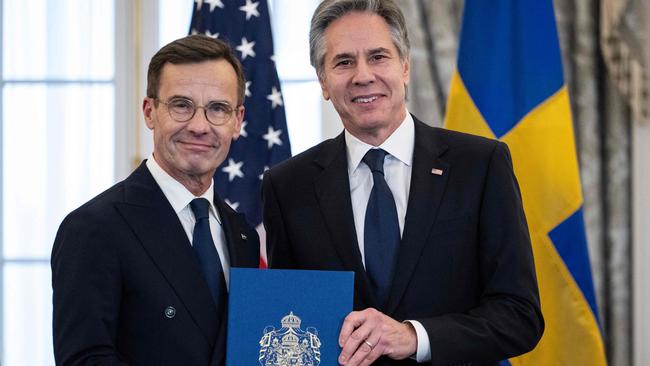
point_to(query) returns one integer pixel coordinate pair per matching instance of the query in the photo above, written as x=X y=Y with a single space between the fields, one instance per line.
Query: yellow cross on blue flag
x=509 y=85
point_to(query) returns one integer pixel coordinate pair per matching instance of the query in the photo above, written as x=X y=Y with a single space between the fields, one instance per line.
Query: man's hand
x=366 y=335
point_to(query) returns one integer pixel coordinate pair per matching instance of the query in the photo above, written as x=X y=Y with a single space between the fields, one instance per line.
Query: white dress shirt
x=179 y=197
x=397 y=172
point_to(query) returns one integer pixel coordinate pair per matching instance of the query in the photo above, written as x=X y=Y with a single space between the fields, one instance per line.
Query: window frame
x=122 y=26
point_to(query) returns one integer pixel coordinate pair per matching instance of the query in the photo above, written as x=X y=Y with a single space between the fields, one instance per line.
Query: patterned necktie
x=206 y=252
x=381 y=230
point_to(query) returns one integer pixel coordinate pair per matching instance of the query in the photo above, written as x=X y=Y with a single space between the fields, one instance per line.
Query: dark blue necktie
x=381 y=231
x=206 y=252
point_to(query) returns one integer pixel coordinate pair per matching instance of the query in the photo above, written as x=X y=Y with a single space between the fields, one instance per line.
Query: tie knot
x=374 y=159
x=200 y=208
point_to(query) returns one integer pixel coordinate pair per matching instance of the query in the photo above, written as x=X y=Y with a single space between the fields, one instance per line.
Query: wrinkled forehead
x=358 y=32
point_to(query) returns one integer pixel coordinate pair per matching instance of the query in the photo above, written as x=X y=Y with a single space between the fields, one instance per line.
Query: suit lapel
x=240 y=254
x=160 y=232
x=239 y=251
x=333 y=191
x=425 y=195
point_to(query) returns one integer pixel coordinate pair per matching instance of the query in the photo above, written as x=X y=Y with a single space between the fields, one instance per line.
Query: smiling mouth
x=364 y=100
x=196 y=145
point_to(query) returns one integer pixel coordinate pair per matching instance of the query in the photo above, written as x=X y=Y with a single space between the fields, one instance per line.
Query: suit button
x=170 y=312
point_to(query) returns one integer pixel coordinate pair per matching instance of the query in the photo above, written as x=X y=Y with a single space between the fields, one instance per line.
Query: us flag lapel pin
x=436 y=171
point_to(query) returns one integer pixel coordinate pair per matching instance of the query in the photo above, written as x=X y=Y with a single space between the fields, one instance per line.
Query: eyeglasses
x=183 y=109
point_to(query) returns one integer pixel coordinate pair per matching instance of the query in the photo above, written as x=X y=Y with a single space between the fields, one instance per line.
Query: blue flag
x=264 y=140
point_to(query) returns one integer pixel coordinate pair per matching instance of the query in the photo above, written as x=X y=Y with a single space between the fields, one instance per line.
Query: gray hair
x=330 y=10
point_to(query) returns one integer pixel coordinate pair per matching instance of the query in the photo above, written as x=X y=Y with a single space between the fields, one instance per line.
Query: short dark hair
x=331 y=10
x=193 y=49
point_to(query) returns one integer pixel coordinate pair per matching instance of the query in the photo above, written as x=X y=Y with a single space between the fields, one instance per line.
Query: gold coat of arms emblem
x=290 y=345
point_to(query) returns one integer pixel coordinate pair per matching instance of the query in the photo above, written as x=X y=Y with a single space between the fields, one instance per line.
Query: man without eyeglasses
x=140 y=272
x=430 y=220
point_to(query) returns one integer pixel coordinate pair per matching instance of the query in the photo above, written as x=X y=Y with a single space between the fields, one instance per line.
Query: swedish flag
x=509 y=85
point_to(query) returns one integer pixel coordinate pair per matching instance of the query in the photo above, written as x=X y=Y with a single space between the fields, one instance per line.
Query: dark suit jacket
x=127 y=286
x=465 y=267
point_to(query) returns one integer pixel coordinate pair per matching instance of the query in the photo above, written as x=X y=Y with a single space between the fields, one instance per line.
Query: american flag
x=264 y=139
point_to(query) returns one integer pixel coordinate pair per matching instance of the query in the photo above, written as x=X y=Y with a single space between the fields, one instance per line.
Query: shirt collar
x=177 y=195
x=399 y=144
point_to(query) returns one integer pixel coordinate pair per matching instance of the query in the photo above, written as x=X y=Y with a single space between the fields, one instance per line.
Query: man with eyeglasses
x=140 y=272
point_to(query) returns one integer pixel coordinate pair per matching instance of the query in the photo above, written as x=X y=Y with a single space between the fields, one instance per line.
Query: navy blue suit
x=127 y=286
x=465 y=267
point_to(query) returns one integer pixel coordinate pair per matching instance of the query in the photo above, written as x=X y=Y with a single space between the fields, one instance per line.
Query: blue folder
x=291 y=317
